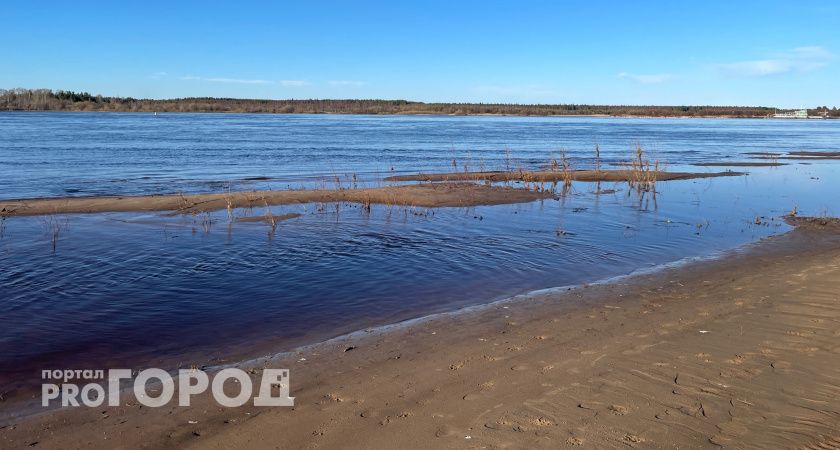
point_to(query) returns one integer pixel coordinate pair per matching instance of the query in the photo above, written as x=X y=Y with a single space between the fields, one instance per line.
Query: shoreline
x=242 y=358
x=29 y=411
x=409 y=114
x=337 y=406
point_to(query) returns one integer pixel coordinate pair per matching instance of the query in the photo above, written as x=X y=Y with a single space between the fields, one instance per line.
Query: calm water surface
x=59 y=154
x=139 y=290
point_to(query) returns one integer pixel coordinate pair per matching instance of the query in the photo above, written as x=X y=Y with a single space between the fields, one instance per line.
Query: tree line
x=49 y=100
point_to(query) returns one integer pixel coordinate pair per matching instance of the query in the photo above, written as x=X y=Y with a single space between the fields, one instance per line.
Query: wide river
x=150 y=289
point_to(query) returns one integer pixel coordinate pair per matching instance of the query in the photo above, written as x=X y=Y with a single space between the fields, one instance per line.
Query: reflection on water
x=140 y=290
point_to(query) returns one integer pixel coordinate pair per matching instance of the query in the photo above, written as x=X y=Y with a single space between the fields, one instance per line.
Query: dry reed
x=54 y=226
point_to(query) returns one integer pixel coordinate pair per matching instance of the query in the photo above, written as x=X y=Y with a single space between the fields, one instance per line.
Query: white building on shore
x=796 y=114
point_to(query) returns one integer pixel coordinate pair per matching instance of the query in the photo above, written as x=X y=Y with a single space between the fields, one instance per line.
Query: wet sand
x=427 y=195
x=818 y=154
x=739 y=164
x=446 y=193
x=558 y=175
x=736 y=352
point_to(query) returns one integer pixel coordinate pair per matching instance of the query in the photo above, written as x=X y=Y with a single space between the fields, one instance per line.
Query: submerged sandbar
x=556 y=176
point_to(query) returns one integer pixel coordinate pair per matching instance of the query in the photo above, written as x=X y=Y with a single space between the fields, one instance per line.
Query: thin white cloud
x=647 y=78
x=797 y=60
x=294 y=83
x=158 y=75
x=346 y=83
x=226 y=80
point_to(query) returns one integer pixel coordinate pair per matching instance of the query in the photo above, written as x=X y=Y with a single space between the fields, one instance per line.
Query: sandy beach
x=736 y=352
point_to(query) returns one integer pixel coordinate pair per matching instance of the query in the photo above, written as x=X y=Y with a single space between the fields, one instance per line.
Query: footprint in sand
x=333 y=397
x=662 y=415
x=574 y=441
x=519 y=368
x=633 y=438
x=541 y=422
x=618 y=409
x=499 y=424
x=738 y=359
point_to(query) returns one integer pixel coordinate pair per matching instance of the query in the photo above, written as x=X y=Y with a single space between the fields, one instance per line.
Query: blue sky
x=775 y=53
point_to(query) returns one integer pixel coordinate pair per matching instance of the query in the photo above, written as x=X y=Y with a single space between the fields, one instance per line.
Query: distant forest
x=48 y=100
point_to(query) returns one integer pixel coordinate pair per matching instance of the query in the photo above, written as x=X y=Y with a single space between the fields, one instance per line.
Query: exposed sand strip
x=553 y=175
x=739 y=164
x=741 y=352
x=448 y=193
x=427 y=195
x=824 y=154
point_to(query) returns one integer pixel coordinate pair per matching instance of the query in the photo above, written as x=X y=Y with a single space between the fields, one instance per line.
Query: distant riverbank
x=48 y=100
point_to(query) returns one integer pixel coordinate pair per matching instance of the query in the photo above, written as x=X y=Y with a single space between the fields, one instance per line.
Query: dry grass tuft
x=54 y=226
x=508 y=159
x=597 y=159
x=643 y=172
x=566 y=166
x=229 y=204
x=269 y=217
